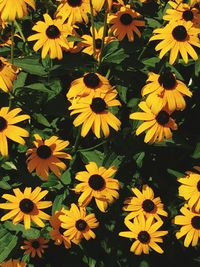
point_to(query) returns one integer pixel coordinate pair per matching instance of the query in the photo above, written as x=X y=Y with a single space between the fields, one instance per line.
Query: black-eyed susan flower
x=51 y=37
x=57 y=231
x=87 y=43
x=78 y=224
x=125 y=22
x=177 y=37
x=97 y=183
x=5 y=36
x=8 y=74
x=144 y=203
x=9 y=130
x=111 y=3
x=164 y=90
x=190 y=189
x=45 y=156
x=35 y=247
x=13 y=263
x=11 y=10
x=26 y=206
x=190 y=222
x=145 y=233
x=182 y=11
x=88 y=85
x=74 y=11
x=158 y=126
x=95 y=114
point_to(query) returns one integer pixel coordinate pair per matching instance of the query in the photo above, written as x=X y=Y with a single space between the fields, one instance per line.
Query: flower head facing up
x=177 y=37
x=26 y=206
x=73 y=11
x=9 y=10
x=182 y=11
x=190 y=189
x=165 y=91
x=158 y=126
x=57 y=232
x=190 y=226
x=13 y=263
x=125 y=22
x=95 y=114
x=88 y=85
x=97 y=183
x=8 y=129
x=35 y=247
x=78 y=224
x=146 y=234
x=8 y=74
x=87 y=43
x=144 y=203
x=51 y=37
x=46 y=155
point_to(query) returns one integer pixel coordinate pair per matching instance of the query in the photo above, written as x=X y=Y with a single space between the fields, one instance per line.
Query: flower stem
x=93 y=28
x=104 y=34
x=77 y=141
x=93 y=147
x=12 y=44
x=20 y=31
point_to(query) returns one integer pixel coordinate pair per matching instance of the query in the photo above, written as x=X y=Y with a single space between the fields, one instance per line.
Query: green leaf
x=41 y=119
x=175 y=173
x=122 y=90
x=8 y=165
x=113 y=160
x=27 y=233
x=197 y=67
x=8 y=242
x=196 y=153
x=66 y=177
x=58 y=202
x=144 y=264
x=139 y=158
x=21 y=79
x=95 y=155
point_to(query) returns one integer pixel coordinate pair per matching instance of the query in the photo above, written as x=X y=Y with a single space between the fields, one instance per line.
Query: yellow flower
x=87 y=43
x=144 y=203
x=177 y=37
x=8 y=74
x=13 y=263
x=9 y=130
x=97 y=183
x=11 y=10
x=158 y=126
x=73 y=11
x=26 y=207
x=125 y=22
x=57 y=232
x=145 y=234
x=190 y=222
x=88 y=85
x=165 y=91
x=78 y=224
x=95 y=115
x=190 y=189
x=45 y=155
x=35 y=247
x=51 y=37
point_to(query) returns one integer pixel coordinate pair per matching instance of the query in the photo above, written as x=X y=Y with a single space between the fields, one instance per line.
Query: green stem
x=12 y=45
x=93 y=28
x=20 y=31
x=104 y=35
x=77 y=141
x=92 y=148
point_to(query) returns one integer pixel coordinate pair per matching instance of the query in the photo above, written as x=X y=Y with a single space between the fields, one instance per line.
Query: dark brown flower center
x=126 y=19
x=96 y=182
x=3 y=124
x=144 y=237
x=179 y=33
x=74 y=3
x=44 y=152
x=53 y=32
x=196 y=222
x=81 y=225
x=198 y=186
x=98 y=43
x=91 y=80
x=167 y=80
x=148 y=205
x=188 y=15
x=162 y=117
x=35 y=244
x=26 y=205
x=98 y=105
